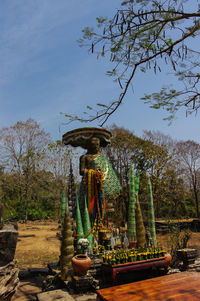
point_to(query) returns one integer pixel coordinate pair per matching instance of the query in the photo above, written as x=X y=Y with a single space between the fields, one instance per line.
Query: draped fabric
x=100 y=183
x=111 y=184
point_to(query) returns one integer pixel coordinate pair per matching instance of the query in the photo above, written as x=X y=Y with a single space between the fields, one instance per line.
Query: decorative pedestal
x=155 y=263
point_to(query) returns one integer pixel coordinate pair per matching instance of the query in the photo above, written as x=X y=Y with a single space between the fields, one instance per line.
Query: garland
x=75 y=235
x=99 y=193
x=92 y=188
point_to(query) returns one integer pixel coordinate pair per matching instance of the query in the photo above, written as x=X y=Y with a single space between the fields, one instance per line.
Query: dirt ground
x=37 y=246
x=40 y=249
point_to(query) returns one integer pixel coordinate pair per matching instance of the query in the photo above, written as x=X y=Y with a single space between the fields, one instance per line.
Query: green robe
x=111 y=184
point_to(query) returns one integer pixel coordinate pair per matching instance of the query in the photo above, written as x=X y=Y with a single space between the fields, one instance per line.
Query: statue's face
x=94 y=144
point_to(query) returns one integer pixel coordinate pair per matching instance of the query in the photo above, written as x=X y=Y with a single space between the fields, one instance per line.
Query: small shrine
x=88 y=229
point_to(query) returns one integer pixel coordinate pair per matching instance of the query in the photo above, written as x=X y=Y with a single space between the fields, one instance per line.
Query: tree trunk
x=196 y=202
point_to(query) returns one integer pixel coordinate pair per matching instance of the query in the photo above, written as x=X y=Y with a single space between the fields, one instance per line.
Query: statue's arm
x=83 y=165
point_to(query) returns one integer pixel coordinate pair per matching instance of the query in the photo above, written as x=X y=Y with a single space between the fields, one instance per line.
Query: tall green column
x=87 y=226
x=151 y=216
x=131 y=225
x=137 y=182
x=140 y=229
x=79 y=225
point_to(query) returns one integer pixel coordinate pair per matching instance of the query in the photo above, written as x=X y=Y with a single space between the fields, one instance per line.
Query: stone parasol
x=80 y=137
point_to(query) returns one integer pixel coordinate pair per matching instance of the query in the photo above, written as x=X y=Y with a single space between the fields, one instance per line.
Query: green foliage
x=34 y=191
x=33 y=174
x=155 y=156
x=144 y=35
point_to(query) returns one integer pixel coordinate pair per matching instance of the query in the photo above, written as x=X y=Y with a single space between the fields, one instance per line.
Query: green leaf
x=102 y=105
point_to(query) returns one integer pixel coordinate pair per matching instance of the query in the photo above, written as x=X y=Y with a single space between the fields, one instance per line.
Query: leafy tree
x=188 y=157
x=58 y=160
x=58 y=163
x=122 y=152
x=152 y=155
x=143 y=35
x=22 y=147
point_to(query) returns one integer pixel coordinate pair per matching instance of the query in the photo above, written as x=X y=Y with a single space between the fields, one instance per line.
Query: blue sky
x=43 y=71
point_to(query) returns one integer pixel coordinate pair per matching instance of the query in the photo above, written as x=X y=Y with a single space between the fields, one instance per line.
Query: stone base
x=187 y=255
x=95 y=268
x=84 y=283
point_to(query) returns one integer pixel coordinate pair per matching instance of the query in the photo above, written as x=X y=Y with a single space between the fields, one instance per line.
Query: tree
x=188 y=156
x=122 y=152
x=58 y=162
x=145 y=34
x=22 y=147
x=150 y=155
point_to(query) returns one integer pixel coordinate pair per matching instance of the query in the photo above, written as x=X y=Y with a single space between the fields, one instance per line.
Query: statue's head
x=94 y=145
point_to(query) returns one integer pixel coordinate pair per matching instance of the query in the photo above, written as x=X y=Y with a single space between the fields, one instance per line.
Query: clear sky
x=43 y=71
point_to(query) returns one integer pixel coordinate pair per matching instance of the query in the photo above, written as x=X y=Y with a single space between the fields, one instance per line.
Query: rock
x=24 y=274
x=60 y=295
x=8 y=281
x=173 y=271
x=86 y=297
x=36 y=271
x=8 y=241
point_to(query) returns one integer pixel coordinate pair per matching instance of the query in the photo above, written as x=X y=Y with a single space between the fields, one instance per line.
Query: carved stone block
x=8 y=241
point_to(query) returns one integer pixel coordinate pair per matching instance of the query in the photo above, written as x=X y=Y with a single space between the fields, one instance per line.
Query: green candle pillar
x=151 y=216
x=87 y=226
x=79 y=225
x=140 y=229
x=131 y=225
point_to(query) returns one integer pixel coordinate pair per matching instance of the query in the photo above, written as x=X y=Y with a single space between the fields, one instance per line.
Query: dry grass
x=37 y=251
x=166 y=241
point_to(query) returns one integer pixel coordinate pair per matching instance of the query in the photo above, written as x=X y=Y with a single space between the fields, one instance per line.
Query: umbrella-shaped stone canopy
x=81 y=136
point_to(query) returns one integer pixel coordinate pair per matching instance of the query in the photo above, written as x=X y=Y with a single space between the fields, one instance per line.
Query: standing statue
x=100 y=184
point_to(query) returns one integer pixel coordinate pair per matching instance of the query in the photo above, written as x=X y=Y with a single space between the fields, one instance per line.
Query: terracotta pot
x=168 y=257
x=81 y=264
